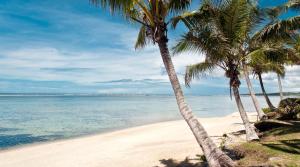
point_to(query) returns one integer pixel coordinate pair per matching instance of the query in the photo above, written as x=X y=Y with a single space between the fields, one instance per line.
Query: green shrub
x=266 y=110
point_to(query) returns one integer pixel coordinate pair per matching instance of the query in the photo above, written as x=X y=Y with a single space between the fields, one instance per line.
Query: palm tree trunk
x=250 y=132
x=271 y=106
x=215 y=157
x=280 y=87
x=261 y=115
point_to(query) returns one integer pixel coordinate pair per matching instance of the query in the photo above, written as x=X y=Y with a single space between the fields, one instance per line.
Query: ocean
x=26 y=119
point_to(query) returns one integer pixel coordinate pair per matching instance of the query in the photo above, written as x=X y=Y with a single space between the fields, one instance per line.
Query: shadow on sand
x=186 y=163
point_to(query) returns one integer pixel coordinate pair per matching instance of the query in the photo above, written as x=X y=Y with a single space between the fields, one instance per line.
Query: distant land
x=100 y=94
x=133 y=94
x=277 y=94
x=75 y=94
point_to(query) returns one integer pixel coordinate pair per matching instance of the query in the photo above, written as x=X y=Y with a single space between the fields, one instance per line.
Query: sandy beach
x=141 y=146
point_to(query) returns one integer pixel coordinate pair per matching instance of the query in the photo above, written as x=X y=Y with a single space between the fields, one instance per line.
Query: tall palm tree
x=275 y=31
x=260 y=64
x=281 y=28
x=271 y=56
x=296 y=45
x=152 y=15
x=280 y=86
x=258 y=109
x=219 y=30
x=290 y=57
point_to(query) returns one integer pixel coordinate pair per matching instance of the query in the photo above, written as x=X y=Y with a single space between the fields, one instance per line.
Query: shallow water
x=29 y=119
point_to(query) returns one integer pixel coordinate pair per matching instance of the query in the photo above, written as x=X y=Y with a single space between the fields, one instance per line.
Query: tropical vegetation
x=220 y=30
x=152 y=16
x=236 y=36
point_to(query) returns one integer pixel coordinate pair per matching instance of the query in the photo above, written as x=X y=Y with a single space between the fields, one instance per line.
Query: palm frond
x=293 y=4
x=113 y=5
x=177 y=6
x=194 y=71
x=200 y=16
x=142 y=39
x=184 y=17
x=274 y=12
x=205 y=41
x=280 y=29
x=236 y=19
x=273 y=67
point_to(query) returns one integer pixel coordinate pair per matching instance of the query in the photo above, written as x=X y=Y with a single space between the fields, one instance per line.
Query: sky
x=71 y=46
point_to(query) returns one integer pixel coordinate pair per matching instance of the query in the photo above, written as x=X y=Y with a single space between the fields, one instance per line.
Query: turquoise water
x=29 y=119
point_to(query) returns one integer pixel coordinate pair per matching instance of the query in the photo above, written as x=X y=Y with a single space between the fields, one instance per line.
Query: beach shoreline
x=99 y=133
x=137 y=146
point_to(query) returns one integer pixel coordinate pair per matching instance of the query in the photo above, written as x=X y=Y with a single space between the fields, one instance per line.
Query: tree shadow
x=185 y=163
x=295 y=128
x=288 y=146
x=238 y=133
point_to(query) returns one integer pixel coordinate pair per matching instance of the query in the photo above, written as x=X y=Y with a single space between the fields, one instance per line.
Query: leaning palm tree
x=290 y=57
x=219 y=30
x=278 y=28
x=260 y=113
x=260 y=64
x=152 y=15
x=271 y=56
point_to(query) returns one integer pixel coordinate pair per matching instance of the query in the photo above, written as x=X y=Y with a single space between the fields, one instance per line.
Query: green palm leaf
x=142 y=39
x=194 y=71
x=176 y=6
x=281 y=29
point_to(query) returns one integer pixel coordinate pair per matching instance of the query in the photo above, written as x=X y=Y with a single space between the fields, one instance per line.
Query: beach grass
x=277 y=147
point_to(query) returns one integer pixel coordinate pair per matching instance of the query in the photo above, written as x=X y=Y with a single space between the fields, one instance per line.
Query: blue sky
x=71 y=46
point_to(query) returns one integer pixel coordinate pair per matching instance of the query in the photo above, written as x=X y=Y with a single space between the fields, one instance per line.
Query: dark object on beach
x=288 y=109
x=269 y=124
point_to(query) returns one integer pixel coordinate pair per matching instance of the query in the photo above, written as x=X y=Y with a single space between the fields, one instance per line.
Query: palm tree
x=219 y=30
x=261 y=64
x=280 y=86
x=260 y=113
x=296 y=45
x=270 y=56
x=276 y=31
x=266 y=67
x=152 y=15
x=290 y=57
x=281 y=28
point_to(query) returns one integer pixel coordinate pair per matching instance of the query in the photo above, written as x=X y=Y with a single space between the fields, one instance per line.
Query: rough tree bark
x=260 y=113
x=250 y=132
x=215 y=157
x=280 y=86
x=271 y=106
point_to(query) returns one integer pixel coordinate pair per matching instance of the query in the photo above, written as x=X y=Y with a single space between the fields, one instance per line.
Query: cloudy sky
x=70 y=46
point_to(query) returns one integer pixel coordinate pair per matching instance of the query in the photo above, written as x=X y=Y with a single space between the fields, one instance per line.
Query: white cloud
x=85 y=48
x=291 y=81
x=53 y=64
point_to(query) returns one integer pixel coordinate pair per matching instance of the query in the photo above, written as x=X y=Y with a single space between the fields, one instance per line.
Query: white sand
x=141 y=146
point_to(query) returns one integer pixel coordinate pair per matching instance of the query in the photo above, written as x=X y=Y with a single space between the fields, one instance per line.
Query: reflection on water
x=31 y=119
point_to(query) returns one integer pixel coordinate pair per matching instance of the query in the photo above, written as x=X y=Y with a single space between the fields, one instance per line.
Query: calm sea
x=29 y=119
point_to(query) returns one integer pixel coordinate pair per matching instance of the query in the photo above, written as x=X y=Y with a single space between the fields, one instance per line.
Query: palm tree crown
x=151 y=14
x=220 y=31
